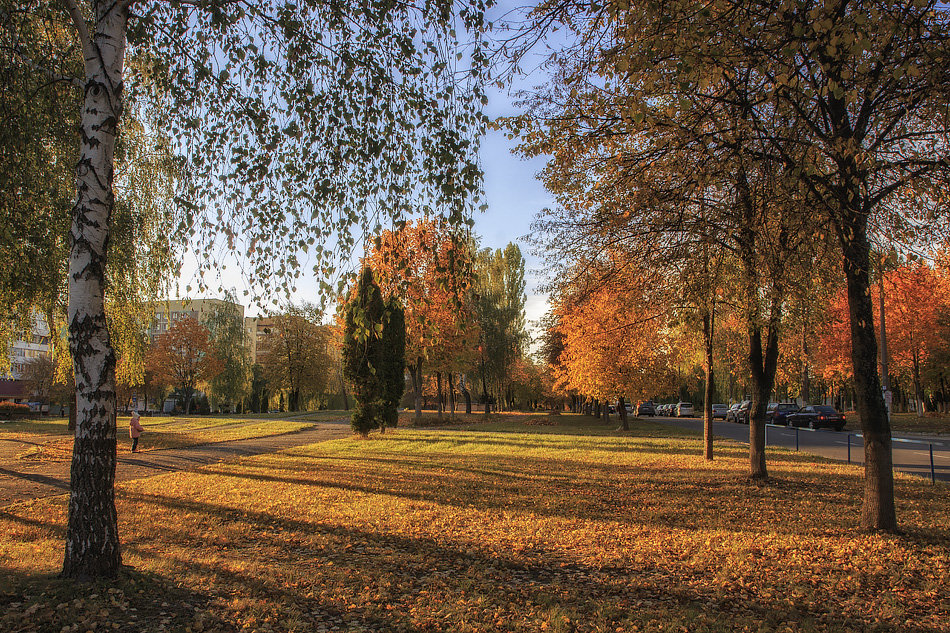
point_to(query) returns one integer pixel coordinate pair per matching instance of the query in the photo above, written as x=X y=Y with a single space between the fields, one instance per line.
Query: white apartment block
x=29 y=345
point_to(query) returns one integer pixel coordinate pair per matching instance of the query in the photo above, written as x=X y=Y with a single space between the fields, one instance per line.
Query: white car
x=684 y=410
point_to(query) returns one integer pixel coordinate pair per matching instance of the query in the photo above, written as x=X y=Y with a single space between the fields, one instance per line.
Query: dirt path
x=21 y=480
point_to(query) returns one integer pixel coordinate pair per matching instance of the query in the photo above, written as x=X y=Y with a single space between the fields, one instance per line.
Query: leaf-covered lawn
x=909 y=422
x=51 y=441
x=510 y=526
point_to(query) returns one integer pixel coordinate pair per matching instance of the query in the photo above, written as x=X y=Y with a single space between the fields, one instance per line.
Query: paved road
x=21 y=480
x=911 y=454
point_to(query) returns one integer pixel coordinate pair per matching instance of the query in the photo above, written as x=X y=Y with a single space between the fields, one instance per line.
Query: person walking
x=135 y=430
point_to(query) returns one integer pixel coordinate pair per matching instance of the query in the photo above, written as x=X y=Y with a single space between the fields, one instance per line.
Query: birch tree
x=302 y=126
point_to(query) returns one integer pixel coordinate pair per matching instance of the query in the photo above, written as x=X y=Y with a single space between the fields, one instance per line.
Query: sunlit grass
x=42 y=425
x=160 y=433
x=507 y=526
x=909 y=422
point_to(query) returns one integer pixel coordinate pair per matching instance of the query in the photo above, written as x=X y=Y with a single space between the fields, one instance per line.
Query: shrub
x=13 y=409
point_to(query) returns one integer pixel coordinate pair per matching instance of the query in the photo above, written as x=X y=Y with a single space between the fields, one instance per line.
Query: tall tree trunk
x=918 y=384
x=709 y=317
x=451 y=385
x=762 y=362
x=878 y=511
x=438 y=382
x=466 y=394
x=92 y=540
x=415 y=374
x=622 y=412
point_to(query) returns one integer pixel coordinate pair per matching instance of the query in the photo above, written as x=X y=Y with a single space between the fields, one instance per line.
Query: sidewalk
x=22 y=480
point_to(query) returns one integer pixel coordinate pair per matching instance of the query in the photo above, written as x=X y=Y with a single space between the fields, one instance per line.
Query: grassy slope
x=50 y=440
x=910 y=423
x=500 y=527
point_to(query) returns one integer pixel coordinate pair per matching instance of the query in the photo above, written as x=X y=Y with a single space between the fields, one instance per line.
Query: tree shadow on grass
x=229 y=567
x=134 y=601
x=315 y=573
x=642 y=495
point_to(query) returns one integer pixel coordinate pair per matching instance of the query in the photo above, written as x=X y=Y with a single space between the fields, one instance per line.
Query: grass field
x=49 y=439
x=909 y=423
x=524 y=524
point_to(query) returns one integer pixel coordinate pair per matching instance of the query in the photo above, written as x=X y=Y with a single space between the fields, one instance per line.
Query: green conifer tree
x=363 y=352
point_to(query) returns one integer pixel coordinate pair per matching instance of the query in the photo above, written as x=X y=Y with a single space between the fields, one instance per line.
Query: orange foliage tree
x=614 y=344
x=915 y=296
x=832 y=354
x=183 y=357
x=428 y=268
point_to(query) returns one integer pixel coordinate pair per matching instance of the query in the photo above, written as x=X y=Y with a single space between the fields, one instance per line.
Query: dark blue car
x=778 y=411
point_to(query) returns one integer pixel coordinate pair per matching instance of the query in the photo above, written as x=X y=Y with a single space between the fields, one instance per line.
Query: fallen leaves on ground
x=546 y=529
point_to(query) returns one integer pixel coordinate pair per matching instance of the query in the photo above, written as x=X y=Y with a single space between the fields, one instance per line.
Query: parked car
x=646 y=408
x=731 y=412
x=739 y=412
x=719 y=411
x=778 y=411
x=684 y=410
x=817 y=416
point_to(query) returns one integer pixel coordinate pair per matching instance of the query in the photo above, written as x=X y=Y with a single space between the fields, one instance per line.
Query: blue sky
x=514 y=196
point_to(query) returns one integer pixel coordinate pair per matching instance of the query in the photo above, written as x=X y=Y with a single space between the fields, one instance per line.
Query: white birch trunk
x=92 y=541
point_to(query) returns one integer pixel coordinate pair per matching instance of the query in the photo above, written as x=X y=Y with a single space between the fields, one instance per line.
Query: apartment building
x=29 y=345
x=257 y=329
x=171 y=310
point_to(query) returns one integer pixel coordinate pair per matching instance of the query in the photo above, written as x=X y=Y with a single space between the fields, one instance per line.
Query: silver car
x=684 y=410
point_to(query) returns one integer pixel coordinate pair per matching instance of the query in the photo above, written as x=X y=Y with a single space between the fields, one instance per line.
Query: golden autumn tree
x=842 y=103
x=613 y=343
x=915 y=296
x=183 y=357
x=428 y=268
